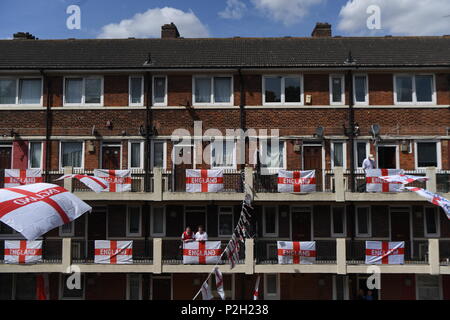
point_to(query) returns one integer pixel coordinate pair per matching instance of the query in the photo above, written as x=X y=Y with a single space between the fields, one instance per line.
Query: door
x=301 y=224
x=387 y=157
x=161 y=288
x=312 y=160
x=400 y=227
x=5 y=161
x=111 y=157
x=182 y=159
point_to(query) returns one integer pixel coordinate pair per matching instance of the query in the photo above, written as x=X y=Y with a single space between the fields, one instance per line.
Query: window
x=431 y=222
x=24 y=91
x=338 y=151
x=427 y=154
x=134 y=221
x=83 y=91
x=158 y=221
x=361 y=152
x=271 y=286
x=136 y=91
x=387 y=156
x=35 y=155
x=74 y=293
x=414 y=89
x=213 y=90
x=225 y=221
x=67 y=230
x=134 y=286
x=360 y=89
x=338 y=221
x=363 y=225
x=160 y=91
x=136 y=156
x=72 y=154
x=158 y=154
x=428 y=287
x=223 y=154
x=272 y=154
x=270 y=221
x=283 y=90
x=337 y=90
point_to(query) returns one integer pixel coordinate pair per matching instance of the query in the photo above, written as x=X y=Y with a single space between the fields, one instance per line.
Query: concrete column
x=158 y=183
x=157 y=255
x=341 y=256
x=339 y=185
x=66 y=254
x=249 y=179
x=249 y=256
x=68 y=182
x=433 y=254
x=432 y=183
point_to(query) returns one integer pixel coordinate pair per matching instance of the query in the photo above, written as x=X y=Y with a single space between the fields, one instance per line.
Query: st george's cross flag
x=201 y=252
x=433 y=198
x=296 y=181
x=20 y=177
x=23 y=251
x=375 y=184
x=37 y=208
x=296 y=252
x=206 y=291
x=256 y=291
x=118 y=180
x=202 y=180
x=403 y=178
x=219 y=283
x=42 y=287
x=385 y=252
x=113 y=252
x=96 y=184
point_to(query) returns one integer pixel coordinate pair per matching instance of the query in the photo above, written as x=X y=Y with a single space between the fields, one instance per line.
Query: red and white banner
x=219 y=283
x=374 y=183
x=96 y=184
x=296 y=252
x=22 y=251
x=296 y=181
x=201 y=252
x=113 y=252
x=202 y=180
x=403 y=178
x=118 y=180
x=433 y=198
x=20 y=177
x=385 y=252
x=256 y=291
x=42 y=287
x=206 y=291
x=37 y=208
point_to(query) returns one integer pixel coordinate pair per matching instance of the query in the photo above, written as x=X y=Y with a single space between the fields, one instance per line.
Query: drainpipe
x=48 y=127
x=242 y=119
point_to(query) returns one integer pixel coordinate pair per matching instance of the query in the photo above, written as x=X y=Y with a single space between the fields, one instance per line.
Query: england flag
x=204 y=180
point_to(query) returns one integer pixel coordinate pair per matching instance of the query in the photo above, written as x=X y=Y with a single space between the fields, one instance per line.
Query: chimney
x=169 y=31
x=322 y=30
x=23 y=35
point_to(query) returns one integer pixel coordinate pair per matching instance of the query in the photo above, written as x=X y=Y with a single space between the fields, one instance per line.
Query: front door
x=301 y=224
x=111 y=157
x=312 y=160
x=400 y=227
x=387 y=157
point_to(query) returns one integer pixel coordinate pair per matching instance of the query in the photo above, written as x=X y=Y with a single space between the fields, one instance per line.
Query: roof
x=224 y=53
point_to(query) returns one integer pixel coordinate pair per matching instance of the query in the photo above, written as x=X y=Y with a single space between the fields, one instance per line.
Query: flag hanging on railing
x=22 y=251
x=96 y=184
x=206 y=291
x=433 y=198
x=403 y=178
x=202 y=180
x=118 y=180
x=296 y=181
x=385 y=252
x=42 y=287
x=113 y=252
x=374 y=183
x=219 y=283
x=296 y=252
x=20 y=177
x=201 y=252
x=256 y=291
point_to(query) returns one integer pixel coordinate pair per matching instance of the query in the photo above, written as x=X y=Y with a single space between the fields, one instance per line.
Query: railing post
x=157 y=255
x=433 y=256
x=249 y=256
x=248 y=171
x=68 y=185
x=341 y=256
x=339 y=186
x=66 y=254
x=158 y=183
x=431 y=173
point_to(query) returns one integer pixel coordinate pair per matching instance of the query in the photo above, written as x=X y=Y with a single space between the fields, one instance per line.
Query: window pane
x=134 y=220
x=404 y=88
x=71 y=154
x=363 y=220
x=431 y=223
x=292 y=89
x=338 y=220
x=202 y=90
x=273 y=155
x=134 y=288
x=25 y=287
x=73 y=90
x=35 y=154
x=30 y=91
x=225 y=224
x=426 y=154
x=136 y=90
x=273 y=89
x=271 y=280
x=158 y=220
x=360 y=88
x=158 y=154
x=270 y=215
x=424 y=88
x=361 y=152
x=222 y=153
x=159 y=89
x=336 y=87
x=135 y=155
x=67 y=228
x=338 y=154
x=93 y=90
x=7 y=91
x=222 y=89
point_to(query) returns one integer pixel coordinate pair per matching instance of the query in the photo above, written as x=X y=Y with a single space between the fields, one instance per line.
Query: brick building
x=77 y=105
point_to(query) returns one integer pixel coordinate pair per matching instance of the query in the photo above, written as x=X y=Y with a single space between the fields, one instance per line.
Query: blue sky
x=47 y=18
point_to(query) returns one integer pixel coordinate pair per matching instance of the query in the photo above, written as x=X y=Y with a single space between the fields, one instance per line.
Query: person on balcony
x=187 y=235
x=369 y=163
x=201 y=235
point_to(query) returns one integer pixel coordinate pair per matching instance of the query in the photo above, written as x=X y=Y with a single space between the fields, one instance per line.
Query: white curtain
x=203 y=90
x=222 y=153
x=338 y=156
x=158 y=154
x=30 y=91
x=272 y=154
x=7 y=91
x=74 y=90
x=136 y=90
x=222 y=89
x=35 y=154
x=135 y=155
x=159 y=89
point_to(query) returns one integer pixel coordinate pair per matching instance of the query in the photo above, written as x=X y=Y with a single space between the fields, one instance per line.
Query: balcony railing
x=443 y=181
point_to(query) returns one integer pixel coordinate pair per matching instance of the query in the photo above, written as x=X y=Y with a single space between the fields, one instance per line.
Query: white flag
x=219 y=283
x=206 y=292
x=256 y=292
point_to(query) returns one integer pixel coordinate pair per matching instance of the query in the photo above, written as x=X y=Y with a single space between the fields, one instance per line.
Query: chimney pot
x=322 y=30
x=169 y=31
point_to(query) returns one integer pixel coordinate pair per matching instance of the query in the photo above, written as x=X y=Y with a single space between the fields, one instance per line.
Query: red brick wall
x=20 y=155
x=381 y=88
x=116 y=90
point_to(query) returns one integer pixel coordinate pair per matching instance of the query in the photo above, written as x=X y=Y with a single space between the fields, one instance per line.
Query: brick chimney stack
x=322 y=30
x=169 y=31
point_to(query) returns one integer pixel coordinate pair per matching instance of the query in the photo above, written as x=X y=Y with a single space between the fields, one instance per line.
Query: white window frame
x=344 y=151
x=273 y=169
x=276 y=222
x=397 y=156
x=344 y=234
x=366 y=100
x=139 y=233
x=141 y=146
x=128 y=285
x=69 y=234
x=414 y=93
x=356 y=150
x=234 y=166
x=17 y=80
x=160 y=104
x=29 y=155
x=369 y=226
x=271 y=296
x=142 y=91
x=218 y=220
x=283 y=90
x=438 y=153
x=438 y=222
x=83 y=93
x=213 y=103
x=82 y=153
x=152 y=148
x=342 y=89
x=152 y=222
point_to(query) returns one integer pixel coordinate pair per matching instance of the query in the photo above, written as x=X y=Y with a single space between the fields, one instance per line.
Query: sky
x=47 y=19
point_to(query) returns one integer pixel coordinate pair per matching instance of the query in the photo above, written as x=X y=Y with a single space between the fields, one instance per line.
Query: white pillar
x=432 y=183
x=339 y=185
x=157 y=255
x=249 y=256
x=66 y=254
x=68 y=185
x=341 y=256
x=433 y=252
x=158 y=183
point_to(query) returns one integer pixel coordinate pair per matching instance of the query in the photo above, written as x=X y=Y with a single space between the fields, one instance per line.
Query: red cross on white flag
x=219 y=283
x=403 y=178
x=20 y=177
x=96 y=184
x=375 y=184
x=22 y=251
x=296 y=181
x=385 y=252
x=296 y=252
x=118 y=180
x=113 y=252
x=433 y=198
x=201 y=252
x=204 y=180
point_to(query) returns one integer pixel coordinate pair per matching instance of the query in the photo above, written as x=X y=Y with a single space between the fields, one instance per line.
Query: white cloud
x=234 y=10
x=288 y=12
x=404 y=17
x=148 y=24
